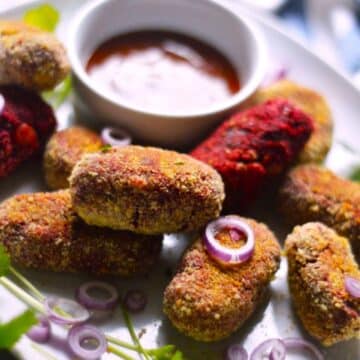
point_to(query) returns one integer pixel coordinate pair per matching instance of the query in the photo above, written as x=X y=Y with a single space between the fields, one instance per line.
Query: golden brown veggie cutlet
x=146 y=190
x=312 y=104
x=64 y=149
x=208 y=301
x=319 y=259
x=314 y=193
x=30 y=57
x=42 y=231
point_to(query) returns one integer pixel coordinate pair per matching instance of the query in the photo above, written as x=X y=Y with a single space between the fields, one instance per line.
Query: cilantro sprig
x=45 y=17
x=4 y=261
x=58 y=96
x=12 y=331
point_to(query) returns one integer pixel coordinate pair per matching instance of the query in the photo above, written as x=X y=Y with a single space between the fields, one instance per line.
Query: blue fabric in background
x=293 y=16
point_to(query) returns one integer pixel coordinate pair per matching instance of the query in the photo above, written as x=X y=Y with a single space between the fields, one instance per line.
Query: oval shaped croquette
x=314 y=105
x=315 y=193
x=41 y=231
x=64 y=149
x=319 y=259
x=146 y=190
x=31 y=57
x=207 y=301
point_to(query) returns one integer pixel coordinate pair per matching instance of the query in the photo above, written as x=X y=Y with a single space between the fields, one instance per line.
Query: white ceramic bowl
x=206 y=20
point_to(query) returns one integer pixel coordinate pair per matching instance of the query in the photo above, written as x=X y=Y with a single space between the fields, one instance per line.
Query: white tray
x=275 y=318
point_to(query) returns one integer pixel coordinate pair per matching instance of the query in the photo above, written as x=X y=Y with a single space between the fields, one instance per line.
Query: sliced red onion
x=223 y=253
x=272 y=349
x=55 y=307
x=300 y=344
x=236 y=352
x=107 y=297
x=352 y=286
x=115 y=136
x=87 y=342
x=135 y=301
x=40 y=332
x=2 y=104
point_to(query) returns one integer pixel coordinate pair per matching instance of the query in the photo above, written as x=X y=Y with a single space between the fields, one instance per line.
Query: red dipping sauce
x=163 y=71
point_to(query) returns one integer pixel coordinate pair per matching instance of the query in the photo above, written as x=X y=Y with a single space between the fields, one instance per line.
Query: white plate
x=275 y=318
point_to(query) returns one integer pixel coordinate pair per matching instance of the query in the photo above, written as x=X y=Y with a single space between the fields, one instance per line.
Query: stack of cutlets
x=111 y=219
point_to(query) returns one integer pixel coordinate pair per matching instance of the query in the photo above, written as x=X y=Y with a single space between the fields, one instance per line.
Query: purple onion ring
x=91 y=302
x=352 y=286
x=69 y=306
x=2 y=104
x=236 y=352
x=300 y=344
x=135 y=301
x=272 y=349
x=223 y=253
x=115 y=136
x=81 y=333
x=40 y=332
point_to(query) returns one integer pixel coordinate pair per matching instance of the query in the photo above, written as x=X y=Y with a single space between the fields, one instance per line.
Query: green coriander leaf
x=162 y=353
x=355 y=176
x=44 y=17
x=11 y=332
x=130 y=326
x=4 y=261
x=57 y=96
x=105 y=148
x=178 y=356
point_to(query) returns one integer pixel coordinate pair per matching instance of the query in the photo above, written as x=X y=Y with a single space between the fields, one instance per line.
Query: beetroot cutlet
x=26 y=122
x=254 y=147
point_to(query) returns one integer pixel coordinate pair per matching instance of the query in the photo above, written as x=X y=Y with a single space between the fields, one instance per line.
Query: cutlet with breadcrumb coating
x=319 y=261
x=208 y=301
x=41 y=231
x=254 y=148
x=145 y=190
x=64 y=149
x=30 y=57
x=314 y=105
x=314 y=193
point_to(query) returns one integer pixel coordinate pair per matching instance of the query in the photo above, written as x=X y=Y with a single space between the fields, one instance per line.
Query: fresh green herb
x=11 y=332
x=23 y=323
x=164 y=352
x=179 y=162
x=105 y=148
x=39 y=296
x=178 y=356
x=57 y=96
x=355 y=176
x=4 y=261
x=131 y=329
x=119 y=353
x=44 y=17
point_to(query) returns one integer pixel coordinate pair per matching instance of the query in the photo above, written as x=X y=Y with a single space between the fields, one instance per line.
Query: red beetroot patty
x=26 y=122
x=254 y=147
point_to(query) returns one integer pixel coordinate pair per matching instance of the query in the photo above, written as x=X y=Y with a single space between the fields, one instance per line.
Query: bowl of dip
x=167 y=71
